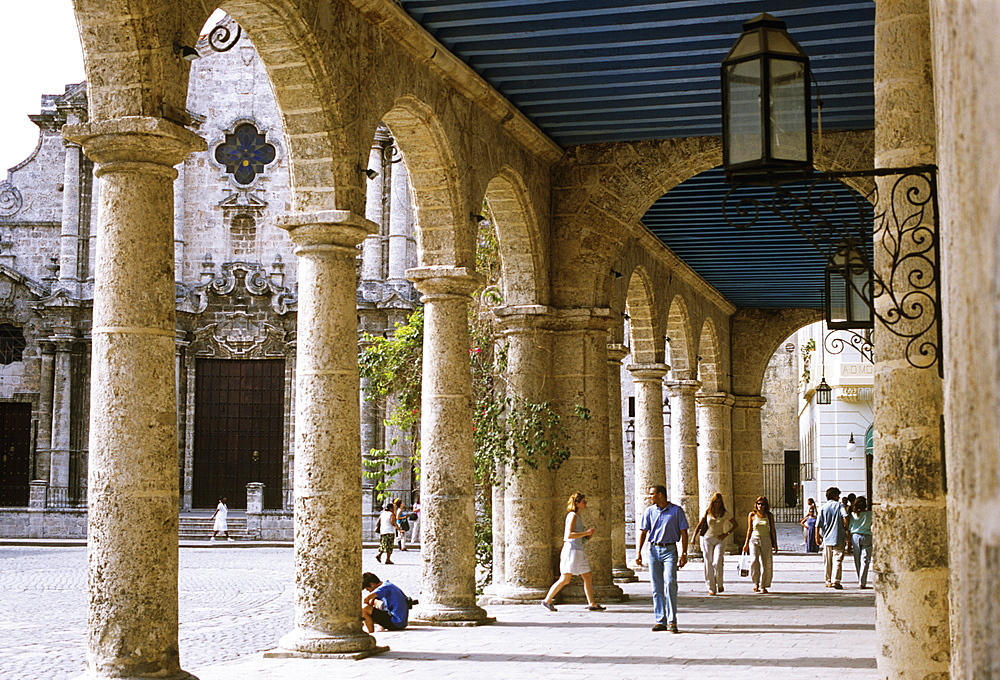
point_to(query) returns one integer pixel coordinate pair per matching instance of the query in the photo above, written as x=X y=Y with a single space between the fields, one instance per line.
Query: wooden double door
x=15 y=454
x=238 y=431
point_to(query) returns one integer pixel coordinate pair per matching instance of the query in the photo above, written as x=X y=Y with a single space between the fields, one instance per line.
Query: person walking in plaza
x=402 y=522
x=386 y=532
x=665 y=524
x=573 y=560
x=809 y=525
x=831 y=533
x=385 y=604
x=860 y=528
x=221 y=517
x=715 y=526
x=761 y=543
x=415 y=522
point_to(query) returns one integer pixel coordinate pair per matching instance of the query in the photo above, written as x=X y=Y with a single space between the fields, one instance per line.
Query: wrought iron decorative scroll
x=835 y=343
x=222 y=39
x=895 y=222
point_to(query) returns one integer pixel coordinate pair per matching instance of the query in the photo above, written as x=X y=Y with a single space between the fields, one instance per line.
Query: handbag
x=702 y=527
x=744 y=565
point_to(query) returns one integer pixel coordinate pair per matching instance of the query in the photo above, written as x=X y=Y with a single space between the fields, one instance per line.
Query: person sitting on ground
x=384 y=604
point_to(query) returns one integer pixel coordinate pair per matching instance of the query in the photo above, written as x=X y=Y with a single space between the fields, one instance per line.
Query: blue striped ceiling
x=588 y=71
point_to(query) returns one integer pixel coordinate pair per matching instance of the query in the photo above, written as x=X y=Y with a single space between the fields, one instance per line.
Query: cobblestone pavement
x=236 y=602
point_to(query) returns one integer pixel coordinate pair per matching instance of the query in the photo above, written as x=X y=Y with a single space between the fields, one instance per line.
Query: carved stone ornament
x=238 y=336
x=237 y=279
x=10 y=199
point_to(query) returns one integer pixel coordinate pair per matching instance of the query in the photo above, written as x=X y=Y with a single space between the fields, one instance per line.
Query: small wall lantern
x=766 y=107
x=848 y=290
x=824 y=393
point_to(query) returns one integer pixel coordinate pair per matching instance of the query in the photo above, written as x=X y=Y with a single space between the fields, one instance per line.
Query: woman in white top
x=719 y=525
x=573 y=560
x=221 y=518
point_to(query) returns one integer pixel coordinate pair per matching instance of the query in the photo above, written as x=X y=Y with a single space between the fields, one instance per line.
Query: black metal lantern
x=848 y=290
x=766 y=107
x=824 y=393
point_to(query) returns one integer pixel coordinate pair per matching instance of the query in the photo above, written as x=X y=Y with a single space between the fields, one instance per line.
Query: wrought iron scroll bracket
x=835 y=343
x=895 y=226
x=221 y=39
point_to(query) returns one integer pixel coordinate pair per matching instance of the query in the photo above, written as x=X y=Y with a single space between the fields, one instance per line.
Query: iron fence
x=783 y=488
x=66 y=497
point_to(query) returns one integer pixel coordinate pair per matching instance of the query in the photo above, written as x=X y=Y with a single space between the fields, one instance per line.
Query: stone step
x=200 y=528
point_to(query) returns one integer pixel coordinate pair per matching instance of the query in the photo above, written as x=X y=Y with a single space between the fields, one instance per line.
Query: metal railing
x=783 y=487
x=66 y=497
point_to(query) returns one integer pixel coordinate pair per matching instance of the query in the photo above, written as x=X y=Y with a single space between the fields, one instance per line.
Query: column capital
x=715 y=399
x=134 y=139
x=647 y=371
x=595 y=319
x=325 y=229
x=617 y=352
x=523 y=318
x=683 y=388
x=748 y=401
x=444 y=280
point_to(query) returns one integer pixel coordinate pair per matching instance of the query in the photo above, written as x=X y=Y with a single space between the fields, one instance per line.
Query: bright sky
x=40 y=51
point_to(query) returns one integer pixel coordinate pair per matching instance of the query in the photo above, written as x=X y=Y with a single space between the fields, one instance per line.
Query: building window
x=11 y=344
x=245 y=153
x=243 y=232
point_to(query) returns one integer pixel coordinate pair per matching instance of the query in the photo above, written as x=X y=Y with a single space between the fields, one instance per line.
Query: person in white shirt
x=717 y=524
x=387 y=532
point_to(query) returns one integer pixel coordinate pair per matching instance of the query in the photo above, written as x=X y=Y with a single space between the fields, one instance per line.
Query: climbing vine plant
x=511 y=434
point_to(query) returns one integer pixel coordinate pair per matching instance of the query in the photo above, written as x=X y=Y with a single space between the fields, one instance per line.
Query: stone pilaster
x=371 y=254
x=911 y=586
x=399 y=225
x=684 y=447
x=180 y=192
x=715 y=450
x=620 y=571
x=447 y=496
x=966 y=61
x=62 y=385
x=69 y=234
x=43 y=452
x=747 y=456
x=133 y=496
x=580 y=379
x=527 y=571
x=327 y=423
x=650 y=456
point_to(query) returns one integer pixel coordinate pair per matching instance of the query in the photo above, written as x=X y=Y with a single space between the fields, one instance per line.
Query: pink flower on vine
x=475 y=350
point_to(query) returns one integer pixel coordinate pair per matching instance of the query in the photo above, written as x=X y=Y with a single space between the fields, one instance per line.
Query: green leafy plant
x=806 y=350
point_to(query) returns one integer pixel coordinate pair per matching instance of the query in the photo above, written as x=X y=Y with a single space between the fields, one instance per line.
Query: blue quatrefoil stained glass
x=245 y=153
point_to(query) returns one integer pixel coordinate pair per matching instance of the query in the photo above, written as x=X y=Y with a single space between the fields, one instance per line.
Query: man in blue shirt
x=385 y=604
x=831 y=533
x=665 y=524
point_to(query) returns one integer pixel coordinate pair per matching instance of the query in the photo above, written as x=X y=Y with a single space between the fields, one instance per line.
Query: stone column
x=650 y=457
x=179 y=230
x=747 y=457
x=371 y=254
x=43 y=445
x=620 y=571
x=69 y=234
x=327 y=424
x=527 y=500
x=62 y=385
x=580 y=381
x=966 y=61
x=399 y=225
x=911 y=586
x=132 y=518
x=684 y=448
x=715 y=451
x=447 y=495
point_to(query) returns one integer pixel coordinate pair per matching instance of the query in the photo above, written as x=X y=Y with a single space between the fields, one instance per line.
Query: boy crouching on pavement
x=385 y=604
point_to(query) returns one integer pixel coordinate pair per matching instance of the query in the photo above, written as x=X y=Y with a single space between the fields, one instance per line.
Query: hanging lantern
x=848 y=290
x=824 y=393
x=766 y=107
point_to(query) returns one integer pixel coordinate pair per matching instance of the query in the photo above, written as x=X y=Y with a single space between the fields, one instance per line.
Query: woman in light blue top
x=573 y=561
x=860 y=527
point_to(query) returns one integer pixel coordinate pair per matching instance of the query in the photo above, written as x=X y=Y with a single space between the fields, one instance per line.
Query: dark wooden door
x=15 y=454
x=238 y=430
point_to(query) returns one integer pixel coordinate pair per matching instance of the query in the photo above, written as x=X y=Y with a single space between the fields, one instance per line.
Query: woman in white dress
x=573 y=560
x=718 y=524
x=221 y=515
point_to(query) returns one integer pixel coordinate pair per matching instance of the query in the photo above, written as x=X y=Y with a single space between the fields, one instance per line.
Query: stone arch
x=709 y=358
x=522 y=251
x=640 y=307
x=132 y=70
x=678 y=340
x=435 y=182
x=756 y=335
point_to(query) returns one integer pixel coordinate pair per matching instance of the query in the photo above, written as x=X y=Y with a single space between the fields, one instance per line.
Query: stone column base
x=573 y=594
x=444 y=616
x=308 y=643
x=354 y=656
x=180 y=675
x=506 y=593
x=623 y=575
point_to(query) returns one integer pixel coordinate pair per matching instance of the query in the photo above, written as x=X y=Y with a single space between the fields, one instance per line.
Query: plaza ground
x=235 y=602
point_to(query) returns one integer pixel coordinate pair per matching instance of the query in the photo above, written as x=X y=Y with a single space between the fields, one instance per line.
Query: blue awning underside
x=588 y=71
